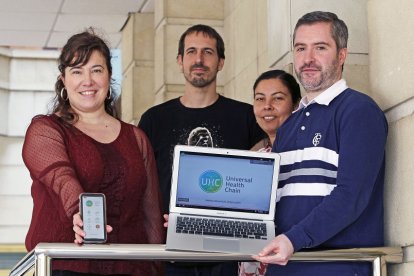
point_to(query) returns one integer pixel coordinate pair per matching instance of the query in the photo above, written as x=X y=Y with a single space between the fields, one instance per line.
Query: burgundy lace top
x=64 y=162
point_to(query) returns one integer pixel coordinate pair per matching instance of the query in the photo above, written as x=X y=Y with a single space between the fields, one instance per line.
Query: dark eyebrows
x=73 y=68
x=80 y=67
x=189 y=48
x=321 y=43
x=273 y=93
x=203 y=49
x=258 y=93
x=298 y=44
x=97 y=65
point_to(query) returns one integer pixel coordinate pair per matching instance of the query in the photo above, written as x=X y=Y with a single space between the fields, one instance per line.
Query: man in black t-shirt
x=200 y=117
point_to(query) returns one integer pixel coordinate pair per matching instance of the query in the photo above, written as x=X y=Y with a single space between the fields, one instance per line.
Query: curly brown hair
x=77 y=51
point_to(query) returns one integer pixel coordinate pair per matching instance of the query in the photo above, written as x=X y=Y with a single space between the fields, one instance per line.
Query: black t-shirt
x=226 y=124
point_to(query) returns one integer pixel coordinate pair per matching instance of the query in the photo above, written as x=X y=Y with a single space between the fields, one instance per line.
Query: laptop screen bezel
x=223 y=213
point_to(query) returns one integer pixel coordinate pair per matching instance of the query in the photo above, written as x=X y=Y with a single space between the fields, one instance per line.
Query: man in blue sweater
x=331 y=180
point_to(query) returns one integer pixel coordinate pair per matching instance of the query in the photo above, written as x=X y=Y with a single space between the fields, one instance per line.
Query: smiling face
x=87 y=85
x=318 y=63
x=272 y=105
x=200 y=62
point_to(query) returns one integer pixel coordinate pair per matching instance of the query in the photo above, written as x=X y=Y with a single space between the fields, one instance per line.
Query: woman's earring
x=61 y=94
x=110 y=93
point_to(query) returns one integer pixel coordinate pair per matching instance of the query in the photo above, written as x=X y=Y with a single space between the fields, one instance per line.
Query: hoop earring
x=110 y=93
x=61 y=94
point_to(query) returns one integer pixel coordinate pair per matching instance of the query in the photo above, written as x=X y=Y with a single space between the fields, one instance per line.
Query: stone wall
x=391 y=69
x=26 y=87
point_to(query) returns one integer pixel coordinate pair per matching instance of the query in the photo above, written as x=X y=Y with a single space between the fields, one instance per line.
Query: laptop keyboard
x=221 y=227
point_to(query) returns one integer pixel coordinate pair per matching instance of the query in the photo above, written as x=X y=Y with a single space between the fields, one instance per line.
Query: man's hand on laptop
x=166 y=220
x=278 y=251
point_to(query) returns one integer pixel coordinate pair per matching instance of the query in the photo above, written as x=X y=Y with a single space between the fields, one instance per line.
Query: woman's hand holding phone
x=78 y=226
x=89 y=224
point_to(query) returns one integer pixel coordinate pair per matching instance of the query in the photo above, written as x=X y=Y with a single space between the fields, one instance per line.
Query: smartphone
x=93 y=212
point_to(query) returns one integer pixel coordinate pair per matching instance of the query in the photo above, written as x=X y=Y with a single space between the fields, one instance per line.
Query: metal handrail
x=24 y=265
x=45 y=252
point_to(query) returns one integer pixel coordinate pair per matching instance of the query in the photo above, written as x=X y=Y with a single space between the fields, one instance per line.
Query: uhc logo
x=210 y=181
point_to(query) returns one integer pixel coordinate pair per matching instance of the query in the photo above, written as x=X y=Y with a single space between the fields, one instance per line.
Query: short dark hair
x=77 y=51
x=206 y=30
x=339 y=30
x=287 y=79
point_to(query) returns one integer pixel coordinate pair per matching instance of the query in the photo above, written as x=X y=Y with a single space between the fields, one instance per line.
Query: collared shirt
x=326 y=96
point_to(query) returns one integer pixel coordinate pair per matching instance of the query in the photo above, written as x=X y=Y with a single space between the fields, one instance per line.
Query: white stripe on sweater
x=315 y=153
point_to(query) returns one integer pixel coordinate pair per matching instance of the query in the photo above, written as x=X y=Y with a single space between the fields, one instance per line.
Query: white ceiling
x=49 y=23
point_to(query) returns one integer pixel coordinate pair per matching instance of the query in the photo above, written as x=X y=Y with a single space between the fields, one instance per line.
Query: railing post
x=42 y=265
x=379 y=267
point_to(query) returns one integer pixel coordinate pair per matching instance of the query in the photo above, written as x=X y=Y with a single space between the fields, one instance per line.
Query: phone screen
x=94 y=217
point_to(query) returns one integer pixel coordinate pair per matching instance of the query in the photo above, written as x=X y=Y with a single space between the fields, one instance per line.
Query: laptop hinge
x=218 y=217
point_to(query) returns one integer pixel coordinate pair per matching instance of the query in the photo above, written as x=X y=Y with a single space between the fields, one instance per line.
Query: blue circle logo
x=210 y=181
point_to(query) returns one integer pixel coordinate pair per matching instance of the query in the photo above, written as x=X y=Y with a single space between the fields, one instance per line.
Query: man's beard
x=325 y=80
x=199 y=81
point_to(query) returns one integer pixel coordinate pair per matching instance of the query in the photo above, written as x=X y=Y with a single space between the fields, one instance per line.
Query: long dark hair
x=287 y=79
x=77 y=51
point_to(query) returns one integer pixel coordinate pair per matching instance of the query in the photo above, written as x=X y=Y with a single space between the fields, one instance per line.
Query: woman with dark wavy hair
x=276 y=94
x=83 y=147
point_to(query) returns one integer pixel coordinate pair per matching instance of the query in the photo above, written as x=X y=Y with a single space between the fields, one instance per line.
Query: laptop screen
x=224 y=182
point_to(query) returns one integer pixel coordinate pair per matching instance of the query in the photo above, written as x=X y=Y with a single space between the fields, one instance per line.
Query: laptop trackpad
x=212 y=244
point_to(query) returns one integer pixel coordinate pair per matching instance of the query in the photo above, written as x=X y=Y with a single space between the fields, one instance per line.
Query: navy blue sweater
x=332 y=174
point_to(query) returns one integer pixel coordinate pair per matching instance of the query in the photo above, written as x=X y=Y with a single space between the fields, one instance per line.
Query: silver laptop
x=222 y=200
